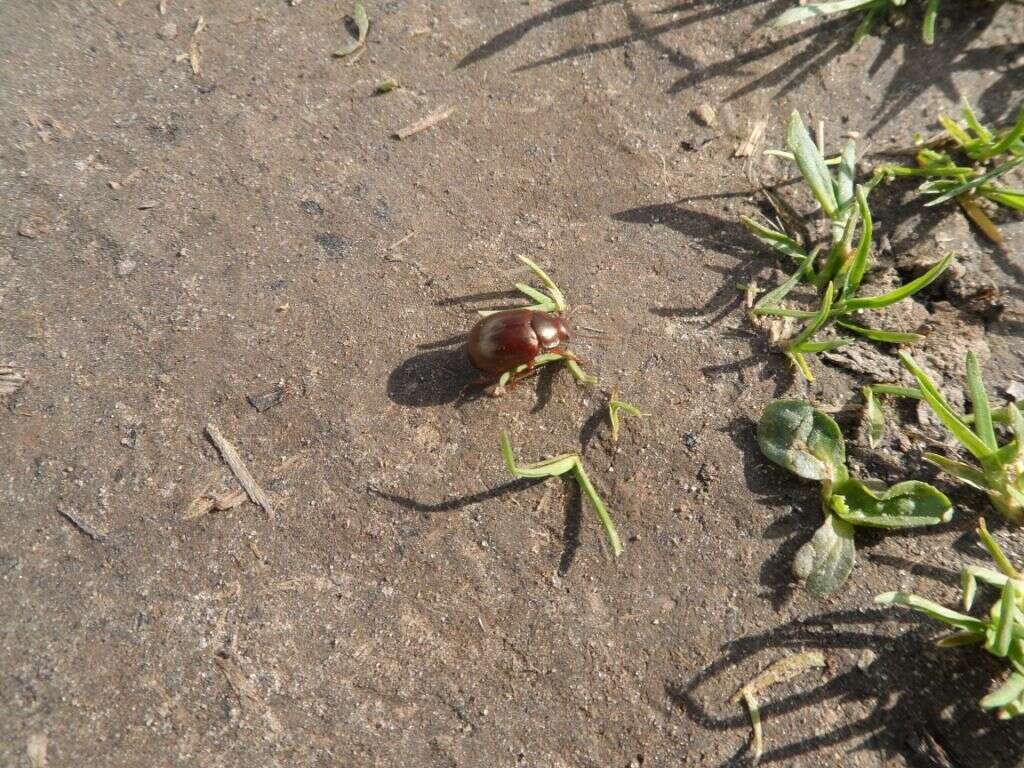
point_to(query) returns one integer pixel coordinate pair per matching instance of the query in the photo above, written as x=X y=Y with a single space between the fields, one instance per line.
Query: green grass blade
x=1008 y=692
x=875 y=417
x=928 y=28
x=904 y=291
x=595 y=501
x=815 y=347
x=553 y=290
x=1004 y=629
x=888 y=337
x=860 y=259
x=846 y=174
x=1008 y=140
x=944 y=411
x=979 y=402
x=932 y=609
x=816 y=322
x=995 y=551
x=811 y=163
x=775 y=239
x=974 y=183
x=965 y=472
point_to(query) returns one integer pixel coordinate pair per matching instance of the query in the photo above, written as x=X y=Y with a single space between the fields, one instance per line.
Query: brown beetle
x=502 y=342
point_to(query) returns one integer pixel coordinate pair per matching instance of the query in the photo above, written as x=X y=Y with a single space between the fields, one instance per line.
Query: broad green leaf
x=903 y=292
x=803 y=440
x=936 y=611
x=362 y=21
x=825 y=561
x=811 y=163
x=905 y=505
x=875 y=417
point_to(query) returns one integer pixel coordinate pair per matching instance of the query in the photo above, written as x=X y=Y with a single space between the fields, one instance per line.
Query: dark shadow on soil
x=426 y=508
x=573 y=521
x=431 y=378
x=809 y=48
x=921 y=700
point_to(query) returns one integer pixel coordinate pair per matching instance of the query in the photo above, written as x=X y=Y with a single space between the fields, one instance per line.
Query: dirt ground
x=172 y=242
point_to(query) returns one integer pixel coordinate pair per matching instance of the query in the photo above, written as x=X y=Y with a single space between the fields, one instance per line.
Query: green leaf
x=362 y=21
x=904 y=291
x=814 y=347
x=928 y=29
x=771 y=299
x=859 y=264
x=803 y=440
x=979 y=401
x=826 y=560
x=974 y=183
x=552 y=467
x=1004 y=625
x=811 y=163
x=945 y=413
x=846 y=173
x=614 y=406
x=965 y=472
x=905 y=505
x=362 y=26
x=1007 y=141
x=1006 y=693
x=595 y=501
x=777 y=240
x=816 y=322
x=804 y=12
x=875 y=417
x=888 y=337
x=936 y=611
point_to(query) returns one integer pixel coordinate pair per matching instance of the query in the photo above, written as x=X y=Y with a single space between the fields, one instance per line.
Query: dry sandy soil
x=172 y=242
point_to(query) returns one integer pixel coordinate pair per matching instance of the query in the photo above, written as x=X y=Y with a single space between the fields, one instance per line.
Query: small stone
x=1015 y=391
x=705 y=115
x=866 y=659
x=168 y=31
x=125 y=267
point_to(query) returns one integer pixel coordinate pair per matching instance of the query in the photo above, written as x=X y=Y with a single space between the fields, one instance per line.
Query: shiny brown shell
x=505 y=340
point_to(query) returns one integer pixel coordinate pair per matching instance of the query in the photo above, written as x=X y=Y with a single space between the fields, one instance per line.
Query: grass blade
x=979 y=402
x=1006 y=693
x=595 y=501
x=904 y=291
x=936 y=611
x=811 y=163
x=1004 y=629
x=889 y=337
x=816 y=322
x=928 y=29
x=944 y=411
x=974 y=183
x=775 y=239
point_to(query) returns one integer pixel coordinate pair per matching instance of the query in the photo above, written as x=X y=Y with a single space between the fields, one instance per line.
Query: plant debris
x=11 y=379
x=234 y=461
x=362 y=23
x=72 y=517
x=421 y=125
x=263 y=401
x=780 y=671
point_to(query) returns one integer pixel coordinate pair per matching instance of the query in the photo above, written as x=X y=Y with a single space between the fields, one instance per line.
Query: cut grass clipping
x=550 y=299
x=780 y=671
x=872 y=12
x=810 y=445
x=614 y=406
x=983 y=155
x=838 y=277
x=1001 y=633
x=560 y=465
x=999 y=469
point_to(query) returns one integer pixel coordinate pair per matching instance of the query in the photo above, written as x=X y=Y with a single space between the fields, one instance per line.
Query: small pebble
x=126 y=267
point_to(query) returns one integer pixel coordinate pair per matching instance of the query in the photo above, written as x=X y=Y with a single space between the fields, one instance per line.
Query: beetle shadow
x=917 y=710
x=437 y=376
